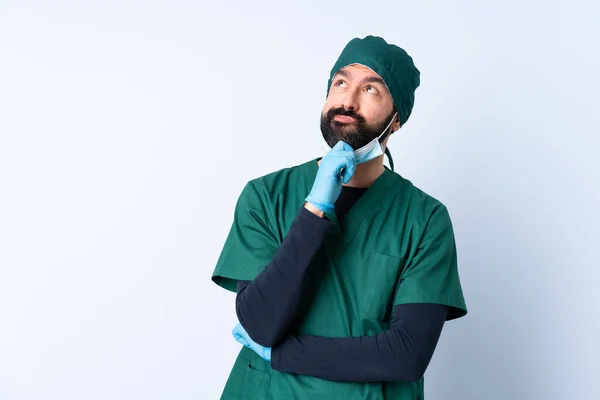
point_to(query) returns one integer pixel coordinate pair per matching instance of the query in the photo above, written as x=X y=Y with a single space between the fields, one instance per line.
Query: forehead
x=359 y=71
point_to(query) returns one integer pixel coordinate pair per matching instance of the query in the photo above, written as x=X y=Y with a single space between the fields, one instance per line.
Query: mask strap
x=387 y=127
x=389 y=156
x=387 y=149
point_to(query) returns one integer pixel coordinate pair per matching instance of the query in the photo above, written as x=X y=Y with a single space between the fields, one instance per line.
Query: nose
x=349 y=101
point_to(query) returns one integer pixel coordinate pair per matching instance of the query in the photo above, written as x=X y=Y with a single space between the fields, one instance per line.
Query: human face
x=358 y=107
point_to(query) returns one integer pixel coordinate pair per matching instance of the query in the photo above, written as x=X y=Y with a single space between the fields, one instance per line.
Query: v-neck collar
x=376 y=197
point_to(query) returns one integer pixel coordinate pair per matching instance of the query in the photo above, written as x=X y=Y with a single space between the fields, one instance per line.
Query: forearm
x=401 y=353
x=267 y=305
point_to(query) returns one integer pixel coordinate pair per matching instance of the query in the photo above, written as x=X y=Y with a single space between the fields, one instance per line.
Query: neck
x=367 y=173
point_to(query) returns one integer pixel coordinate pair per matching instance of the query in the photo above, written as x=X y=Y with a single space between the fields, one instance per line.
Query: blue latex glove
x=328 y=182
x=240 y=334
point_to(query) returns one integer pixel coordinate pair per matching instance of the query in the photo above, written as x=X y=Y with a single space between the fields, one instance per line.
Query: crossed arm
x=267 y=306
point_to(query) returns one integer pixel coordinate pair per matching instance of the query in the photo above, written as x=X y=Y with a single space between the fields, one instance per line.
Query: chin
x=344 y=129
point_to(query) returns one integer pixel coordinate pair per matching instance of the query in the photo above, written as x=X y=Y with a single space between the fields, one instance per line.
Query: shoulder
x=278 y=182
x=420 y=204
x=420 y=210
x=282 y=175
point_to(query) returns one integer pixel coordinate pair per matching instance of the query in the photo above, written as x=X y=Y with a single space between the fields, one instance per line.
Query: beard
x=357 y=134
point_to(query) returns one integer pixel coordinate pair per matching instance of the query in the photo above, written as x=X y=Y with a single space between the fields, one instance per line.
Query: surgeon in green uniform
x=393 y=248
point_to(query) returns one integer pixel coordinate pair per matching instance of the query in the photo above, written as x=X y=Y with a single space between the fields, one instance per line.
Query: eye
x=371 y=90
x=339 y=83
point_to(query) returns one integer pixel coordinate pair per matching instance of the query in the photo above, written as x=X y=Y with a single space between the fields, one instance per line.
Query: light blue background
x=128 y=129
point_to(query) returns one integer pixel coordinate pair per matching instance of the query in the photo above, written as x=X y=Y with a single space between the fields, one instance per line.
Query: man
x=345 y=272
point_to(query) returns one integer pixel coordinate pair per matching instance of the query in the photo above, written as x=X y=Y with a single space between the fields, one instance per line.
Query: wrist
x=314 y=209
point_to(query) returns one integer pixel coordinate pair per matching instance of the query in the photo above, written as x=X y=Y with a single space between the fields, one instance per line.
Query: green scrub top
x=394 y=246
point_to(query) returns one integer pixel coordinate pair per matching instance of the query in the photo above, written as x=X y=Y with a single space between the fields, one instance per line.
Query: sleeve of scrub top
x=401 y=353
x=431 y=276
x=252 y=253
x=250 y=244
x=267 y=305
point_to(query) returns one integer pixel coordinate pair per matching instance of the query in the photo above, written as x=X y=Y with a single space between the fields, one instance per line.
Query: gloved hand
x=240 y=334
x=328 y=182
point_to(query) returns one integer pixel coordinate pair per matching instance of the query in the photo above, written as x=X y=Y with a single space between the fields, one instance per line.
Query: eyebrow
x=374 y=79
x=370 y=79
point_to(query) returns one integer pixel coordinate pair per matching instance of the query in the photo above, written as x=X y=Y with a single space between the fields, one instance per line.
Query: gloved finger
x=237 y=336
x=349 y=168
x=241 y=339
x=342 y=146
x=267 y=353
x=240 y=333
x=237 y=329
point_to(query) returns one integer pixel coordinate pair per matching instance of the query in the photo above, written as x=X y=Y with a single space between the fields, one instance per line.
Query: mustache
x=348 y=113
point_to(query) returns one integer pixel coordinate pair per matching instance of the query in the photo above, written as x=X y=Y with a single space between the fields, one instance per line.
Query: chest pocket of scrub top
x=380 y=285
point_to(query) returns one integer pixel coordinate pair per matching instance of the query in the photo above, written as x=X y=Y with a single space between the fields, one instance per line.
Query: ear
x=396 y=124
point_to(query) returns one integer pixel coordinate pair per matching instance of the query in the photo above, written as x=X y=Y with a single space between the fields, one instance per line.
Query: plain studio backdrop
x=128 y=130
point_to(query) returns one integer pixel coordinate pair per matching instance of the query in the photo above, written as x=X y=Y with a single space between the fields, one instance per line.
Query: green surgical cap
x=390 y=62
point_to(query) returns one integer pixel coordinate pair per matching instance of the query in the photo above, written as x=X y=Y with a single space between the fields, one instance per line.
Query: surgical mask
x=369 y=151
